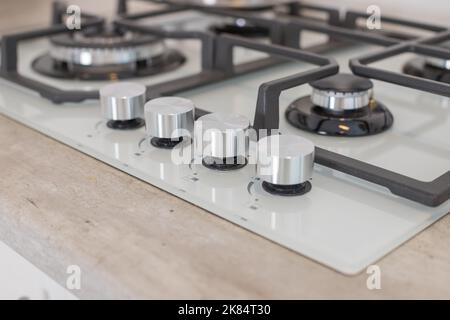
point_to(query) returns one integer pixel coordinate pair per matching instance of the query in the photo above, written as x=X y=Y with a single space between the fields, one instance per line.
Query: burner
x=433 y=69
x=340 y=105
x=242 y=28
x=430 y=67
x=106 y=56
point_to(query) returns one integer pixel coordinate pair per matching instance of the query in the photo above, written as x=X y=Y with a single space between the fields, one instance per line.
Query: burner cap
x=343 y=82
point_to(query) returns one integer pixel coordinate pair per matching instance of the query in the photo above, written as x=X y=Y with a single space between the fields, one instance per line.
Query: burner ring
x=372 y=119
x=105 y=49
x=342 y=92
x=107 y=56
x=169 y=60
x=341 y=101
x=103 y=40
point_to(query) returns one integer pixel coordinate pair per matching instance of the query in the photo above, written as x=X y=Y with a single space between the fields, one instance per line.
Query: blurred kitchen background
x=24 y=14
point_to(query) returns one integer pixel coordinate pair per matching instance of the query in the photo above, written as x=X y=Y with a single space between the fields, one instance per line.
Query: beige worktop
x=59 y=207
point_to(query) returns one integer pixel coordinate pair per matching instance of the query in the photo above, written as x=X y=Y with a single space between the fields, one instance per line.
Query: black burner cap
x=343 y=82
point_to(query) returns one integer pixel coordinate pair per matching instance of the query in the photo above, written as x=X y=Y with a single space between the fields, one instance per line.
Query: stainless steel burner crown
x=341 y=101
x=107 y=50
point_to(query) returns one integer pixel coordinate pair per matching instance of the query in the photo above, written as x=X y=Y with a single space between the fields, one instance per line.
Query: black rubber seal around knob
x=126 y=124
x=343 y=82
x=165 y=143
x=226 y=164
x=287 y=190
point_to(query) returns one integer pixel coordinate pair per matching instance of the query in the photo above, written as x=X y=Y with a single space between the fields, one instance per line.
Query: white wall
x=437 y=11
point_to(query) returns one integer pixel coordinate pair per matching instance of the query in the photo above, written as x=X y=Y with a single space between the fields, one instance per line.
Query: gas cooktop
x=316 y=133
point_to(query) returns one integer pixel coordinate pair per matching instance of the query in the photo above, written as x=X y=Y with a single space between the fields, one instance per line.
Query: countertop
x=131 y=240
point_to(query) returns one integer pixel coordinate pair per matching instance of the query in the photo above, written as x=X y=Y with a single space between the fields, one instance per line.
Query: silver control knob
x=224 y=135
x=122 y=101
x=285 y=160
x=169 y=117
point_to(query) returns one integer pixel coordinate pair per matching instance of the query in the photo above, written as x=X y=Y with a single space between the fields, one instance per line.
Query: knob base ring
x=287 y=190
x=165 y=143
x=226 y=164
x=126 y=124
